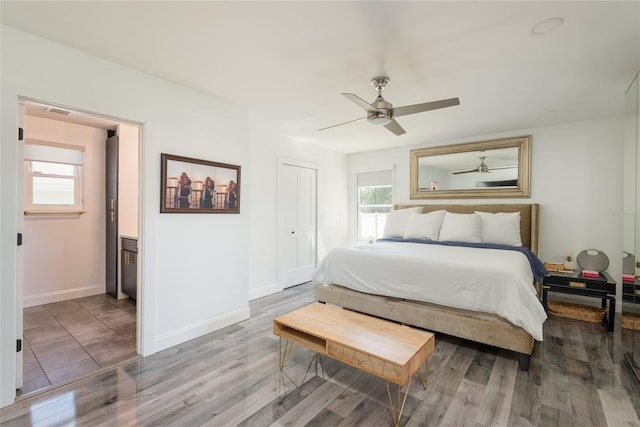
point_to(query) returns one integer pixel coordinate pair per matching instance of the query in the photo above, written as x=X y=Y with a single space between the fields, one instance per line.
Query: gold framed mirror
x=484 y=169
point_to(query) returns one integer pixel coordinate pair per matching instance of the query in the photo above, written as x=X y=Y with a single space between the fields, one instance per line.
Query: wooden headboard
x=529 y=225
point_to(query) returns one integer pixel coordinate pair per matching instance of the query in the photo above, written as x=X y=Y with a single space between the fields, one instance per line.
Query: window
x=53 y=177
x=375 y=199
x=53 y=184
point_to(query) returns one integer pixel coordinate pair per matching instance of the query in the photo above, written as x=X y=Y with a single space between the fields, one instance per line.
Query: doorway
x=71 y=327
x=297 y=230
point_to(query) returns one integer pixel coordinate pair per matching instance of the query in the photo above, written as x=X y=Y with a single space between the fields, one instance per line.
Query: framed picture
x=198 y=186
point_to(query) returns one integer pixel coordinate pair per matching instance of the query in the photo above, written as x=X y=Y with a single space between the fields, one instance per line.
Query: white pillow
x=397 y=221
x=424 y=226
x=460 y=228
x=502 y=228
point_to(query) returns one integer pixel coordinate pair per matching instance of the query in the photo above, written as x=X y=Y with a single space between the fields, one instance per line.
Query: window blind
x=68 y=154
x=374 y=179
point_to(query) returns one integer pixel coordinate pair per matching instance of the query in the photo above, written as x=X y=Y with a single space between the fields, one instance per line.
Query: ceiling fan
x=381 y=112
x=483 y=168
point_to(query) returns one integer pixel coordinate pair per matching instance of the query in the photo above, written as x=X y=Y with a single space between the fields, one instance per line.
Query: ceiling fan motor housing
x=383 y=117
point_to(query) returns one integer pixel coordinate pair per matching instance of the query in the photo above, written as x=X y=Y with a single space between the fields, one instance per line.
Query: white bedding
x=486 y=280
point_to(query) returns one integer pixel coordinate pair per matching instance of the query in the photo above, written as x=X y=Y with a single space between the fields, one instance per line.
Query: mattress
x=479 y=279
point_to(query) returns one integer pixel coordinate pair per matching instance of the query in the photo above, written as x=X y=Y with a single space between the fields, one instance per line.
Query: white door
x=297 y=223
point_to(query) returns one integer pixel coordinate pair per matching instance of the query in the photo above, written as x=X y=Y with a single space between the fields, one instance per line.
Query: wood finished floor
x=70 y=339
x=230 y=377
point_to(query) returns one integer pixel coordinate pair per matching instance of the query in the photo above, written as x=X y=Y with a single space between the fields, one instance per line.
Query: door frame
x=19 y=374
x=145 y=298
x=286 y=161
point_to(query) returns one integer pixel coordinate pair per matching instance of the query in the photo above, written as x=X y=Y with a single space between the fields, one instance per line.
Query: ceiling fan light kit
x=381 y=112
x=379 y=120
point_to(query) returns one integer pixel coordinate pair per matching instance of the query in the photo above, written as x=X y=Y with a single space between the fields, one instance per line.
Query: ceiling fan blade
x=427 y=106
x=361 y=102
x=395 y=127
x=340 y=124
x=469 y=171
x=503 y=167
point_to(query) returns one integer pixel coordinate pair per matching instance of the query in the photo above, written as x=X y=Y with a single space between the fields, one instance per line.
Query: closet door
x=297 y=229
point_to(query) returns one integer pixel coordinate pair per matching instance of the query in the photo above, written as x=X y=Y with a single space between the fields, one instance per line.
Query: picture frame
x=189 y=185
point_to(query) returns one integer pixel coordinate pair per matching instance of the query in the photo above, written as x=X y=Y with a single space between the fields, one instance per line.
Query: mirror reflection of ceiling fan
x=483 y=168
x=381 y=112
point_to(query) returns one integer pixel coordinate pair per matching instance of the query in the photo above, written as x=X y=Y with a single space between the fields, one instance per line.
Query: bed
x=480 y=325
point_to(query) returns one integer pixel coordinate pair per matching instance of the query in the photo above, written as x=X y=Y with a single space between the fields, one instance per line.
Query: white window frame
x=378 y=215
x=61 y=156
x=375 y=179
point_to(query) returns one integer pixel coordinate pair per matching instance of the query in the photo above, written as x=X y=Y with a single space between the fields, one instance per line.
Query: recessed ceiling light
x=546 y=26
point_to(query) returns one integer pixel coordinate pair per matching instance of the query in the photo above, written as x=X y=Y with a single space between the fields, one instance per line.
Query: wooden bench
x=382 y=348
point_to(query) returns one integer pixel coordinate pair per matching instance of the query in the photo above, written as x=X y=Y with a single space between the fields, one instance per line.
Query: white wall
x=267 y=148
x=64 y=255
x=576 y=178
x=194 y=267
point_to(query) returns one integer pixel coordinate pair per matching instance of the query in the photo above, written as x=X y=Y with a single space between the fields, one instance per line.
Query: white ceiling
x=288 y=62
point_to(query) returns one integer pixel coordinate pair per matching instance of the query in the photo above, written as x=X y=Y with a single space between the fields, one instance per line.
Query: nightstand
x=603 y=287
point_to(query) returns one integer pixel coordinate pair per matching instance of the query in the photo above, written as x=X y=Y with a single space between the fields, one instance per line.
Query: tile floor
x=69 y=339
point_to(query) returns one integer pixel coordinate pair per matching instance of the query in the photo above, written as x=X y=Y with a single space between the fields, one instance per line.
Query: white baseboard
x=196 y=330
x=263 y=291
x=62 y=295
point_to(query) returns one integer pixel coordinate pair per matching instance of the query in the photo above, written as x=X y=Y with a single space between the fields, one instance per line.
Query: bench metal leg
x=421 y=377
x=396 y=410
x=283 y=351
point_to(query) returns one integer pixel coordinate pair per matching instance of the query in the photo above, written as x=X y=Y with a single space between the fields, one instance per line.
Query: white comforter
x=486 y=280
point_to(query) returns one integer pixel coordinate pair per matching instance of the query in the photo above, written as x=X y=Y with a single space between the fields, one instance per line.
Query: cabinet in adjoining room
x=129 y=269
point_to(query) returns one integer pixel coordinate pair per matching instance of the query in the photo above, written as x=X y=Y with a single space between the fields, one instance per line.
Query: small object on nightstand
x=628 y=263
x=554 y=266
x=590 y=273
x=593 y=259
x=568 y=265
